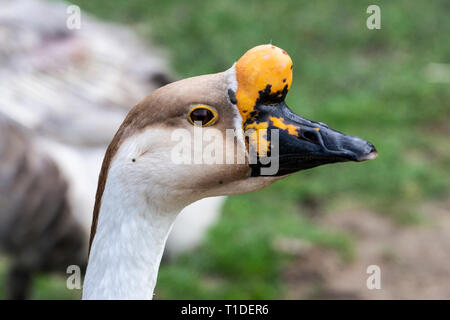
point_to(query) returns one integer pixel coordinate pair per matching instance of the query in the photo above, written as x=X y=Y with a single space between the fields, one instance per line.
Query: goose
x=38 y=230
x=141 y=189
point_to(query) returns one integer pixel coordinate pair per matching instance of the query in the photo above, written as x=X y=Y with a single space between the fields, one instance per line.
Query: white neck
x=128 y=246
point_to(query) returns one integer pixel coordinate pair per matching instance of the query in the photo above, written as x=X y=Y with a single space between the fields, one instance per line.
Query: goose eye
x=203 y=114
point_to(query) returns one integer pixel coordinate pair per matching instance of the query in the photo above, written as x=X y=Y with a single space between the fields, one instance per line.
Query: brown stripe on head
x=166 y=106
x=109 y=155
x=138 y=118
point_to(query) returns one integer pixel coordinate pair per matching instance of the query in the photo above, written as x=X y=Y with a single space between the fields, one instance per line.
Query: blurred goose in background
x=64 y=94
x=37 y=225
x=142 y=189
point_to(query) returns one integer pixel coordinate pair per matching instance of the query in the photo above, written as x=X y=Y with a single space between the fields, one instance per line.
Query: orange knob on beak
x=262 y=72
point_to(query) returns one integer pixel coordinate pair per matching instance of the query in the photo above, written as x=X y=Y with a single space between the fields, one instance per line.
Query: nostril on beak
x=310 y=136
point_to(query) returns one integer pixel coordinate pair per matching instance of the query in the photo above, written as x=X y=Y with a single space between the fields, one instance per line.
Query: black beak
x=302 y=144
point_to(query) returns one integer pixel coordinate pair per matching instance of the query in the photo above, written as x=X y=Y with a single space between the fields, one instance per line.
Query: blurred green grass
x=369 y=83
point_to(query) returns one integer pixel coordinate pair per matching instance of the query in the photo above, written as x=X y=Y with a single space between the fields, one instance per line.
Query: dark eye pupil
x=201 y=115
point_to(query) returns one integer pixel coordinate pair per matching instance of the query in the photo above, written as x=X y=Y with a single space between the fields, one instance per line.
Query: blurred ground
x=388 y=86
x=414 y=260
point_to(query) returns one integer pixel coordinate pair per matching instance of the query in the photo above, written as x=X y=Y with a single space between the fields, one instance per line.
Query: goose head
x=222 y=134
x=212 y=135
